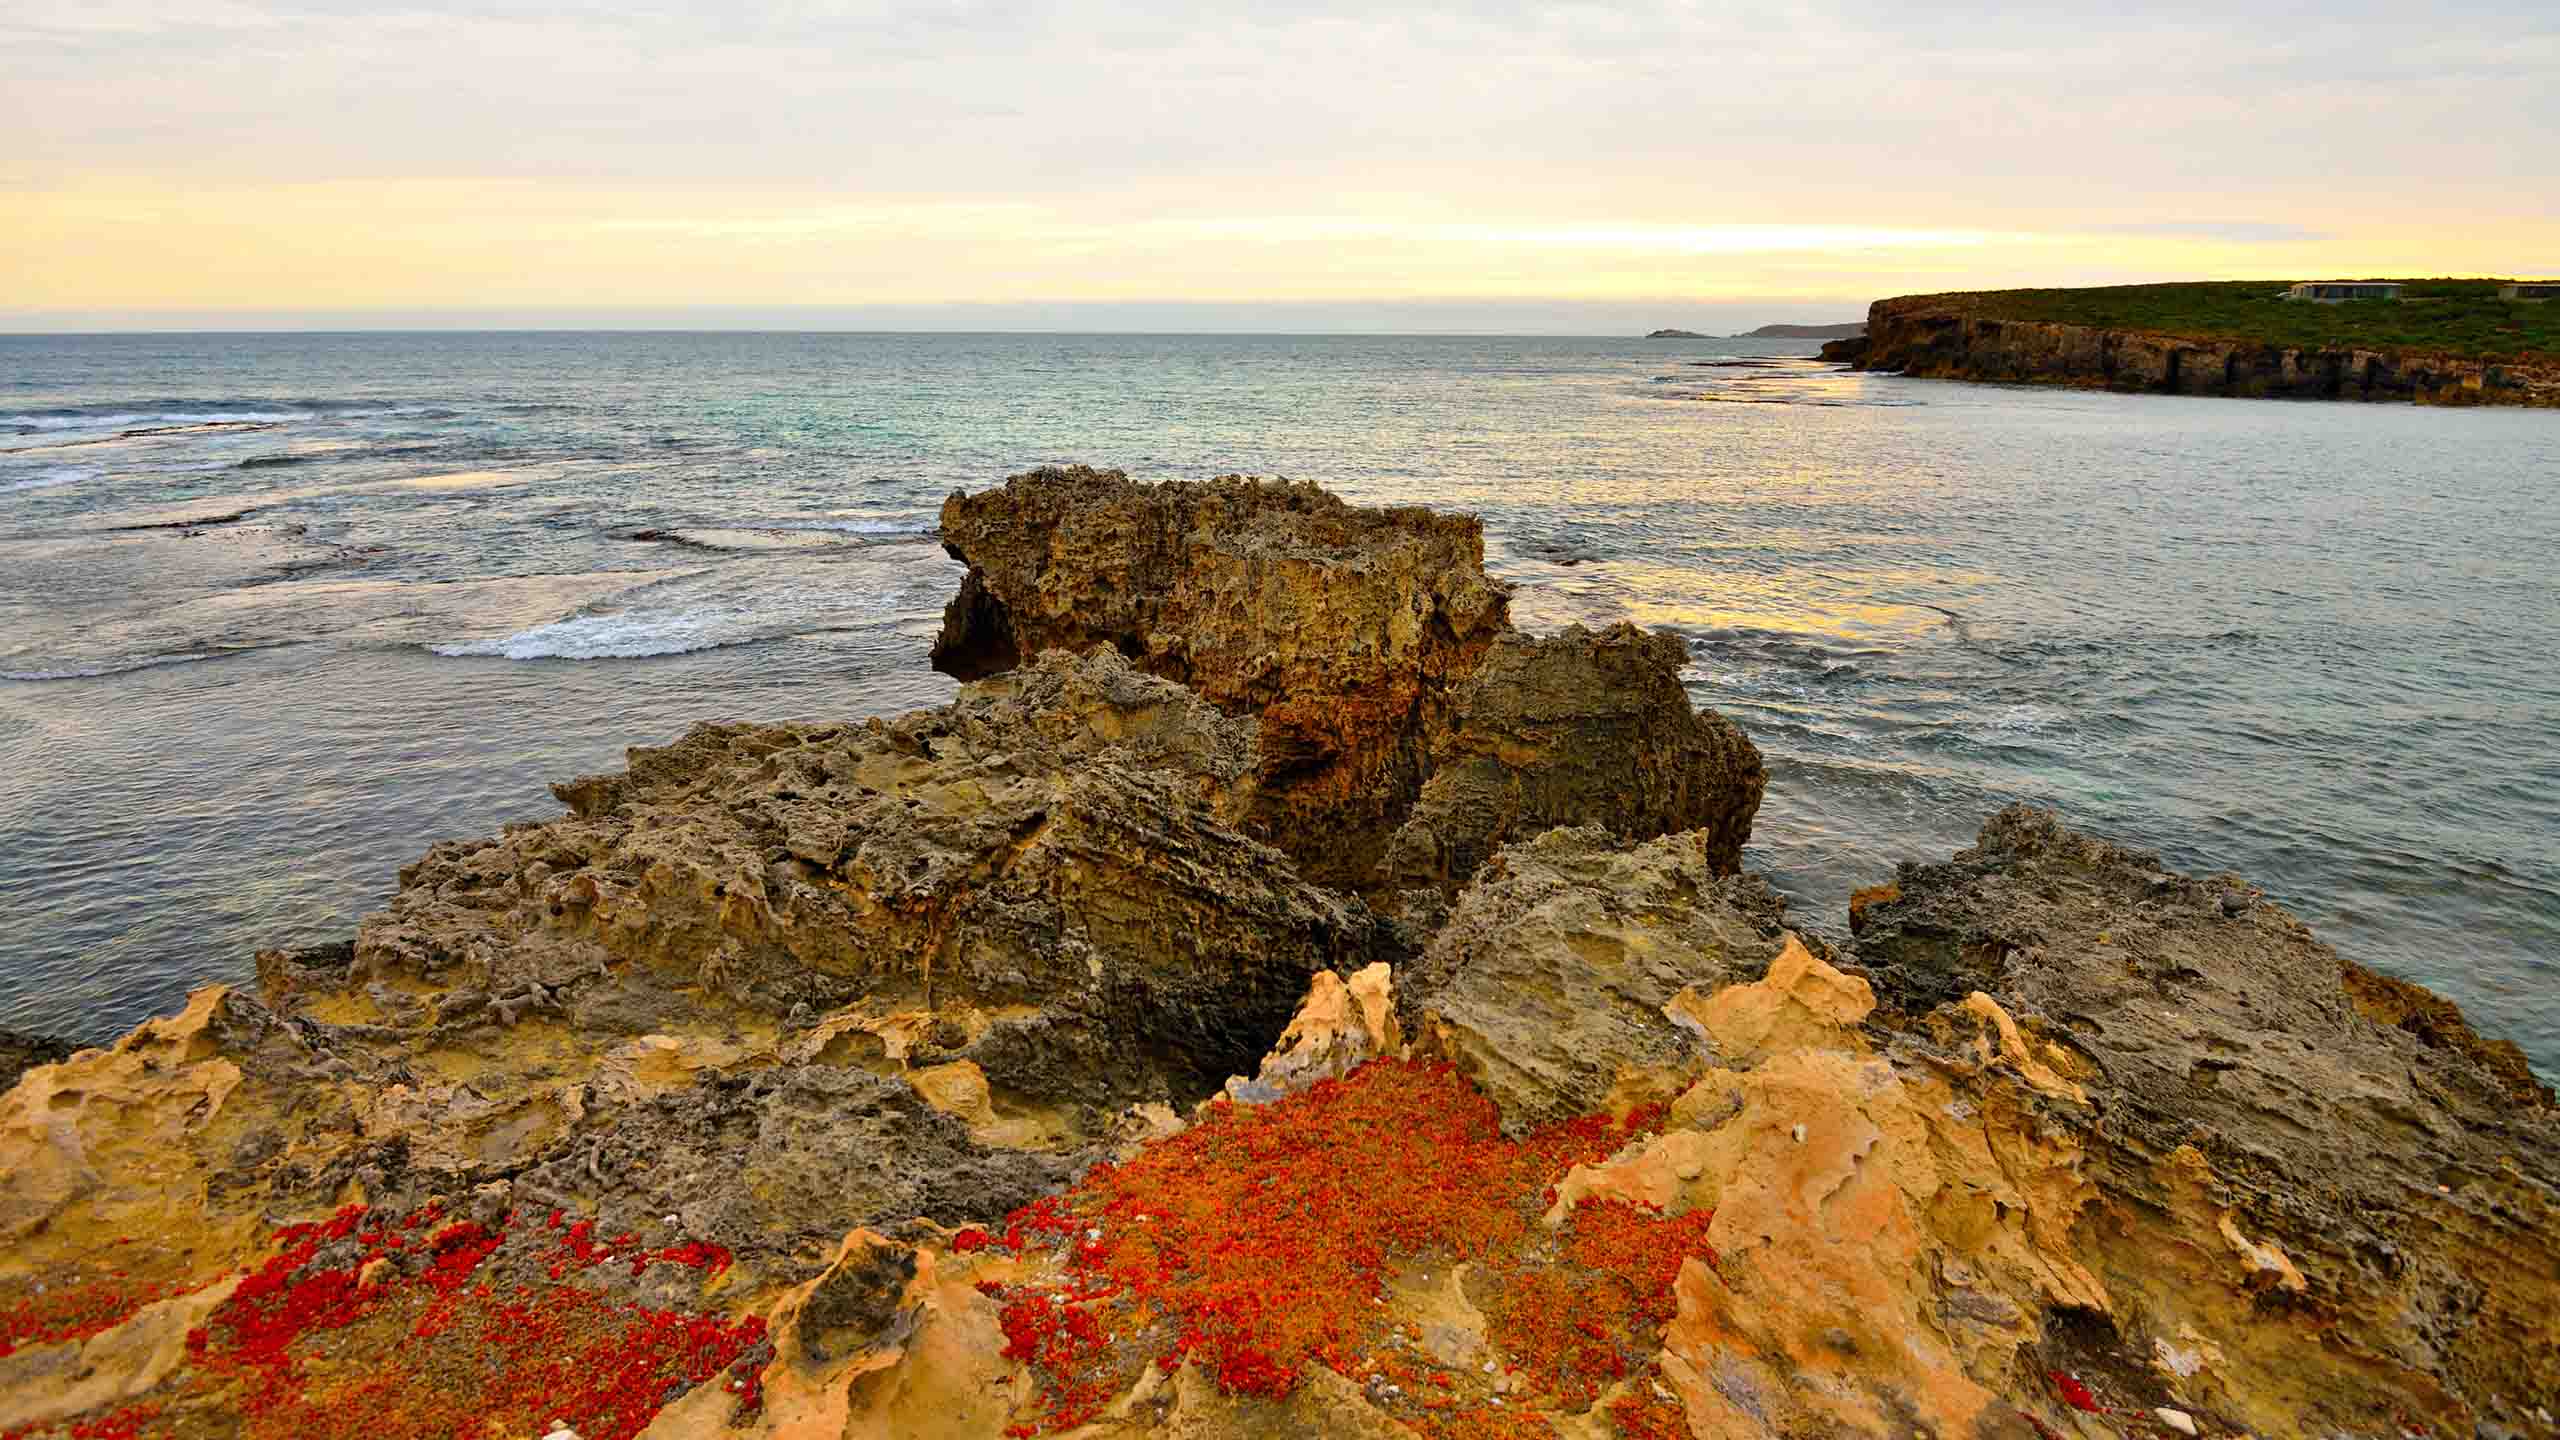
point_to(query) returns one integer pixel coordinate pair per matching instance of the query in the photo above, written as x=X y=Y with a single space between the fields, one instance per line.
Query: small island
x=2428 y=342
x=1677 y=335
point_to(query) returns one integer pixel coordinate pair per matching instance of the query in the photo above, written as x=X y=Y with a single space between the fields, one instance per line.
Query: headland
x=2439 y=342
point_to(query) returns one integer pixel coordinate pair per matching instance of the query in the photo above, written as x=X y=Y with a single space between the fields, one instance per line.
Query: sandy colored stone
x=1340 y=1026
x=1801 y=1002
x=1548 y=983
x=1342 y=628
x=2275 y=1128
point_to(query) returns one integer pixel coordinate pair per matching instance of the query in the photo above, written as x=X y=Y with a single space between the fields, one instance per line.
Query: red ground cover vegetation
x=362 y=1327
x=1265 y=1239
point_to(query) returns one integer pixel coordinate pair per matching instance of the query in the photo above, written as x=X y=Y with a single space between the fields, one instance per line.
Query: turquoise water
x=2311 y=644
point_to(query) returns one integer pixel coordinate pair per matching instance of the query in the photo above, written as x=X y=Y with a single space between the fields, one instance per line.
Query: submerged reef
x=1275 y=998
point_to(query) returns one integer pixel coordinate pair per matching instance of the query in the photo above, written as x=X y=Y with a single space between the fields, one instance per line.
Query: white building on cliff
x=2334 y=292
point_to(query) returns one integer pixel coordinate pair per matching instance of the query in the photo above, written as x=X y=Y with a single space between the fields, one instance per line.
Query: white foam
x=628 y=635
x=736 y=602
x=49 y=479
x=42 y=424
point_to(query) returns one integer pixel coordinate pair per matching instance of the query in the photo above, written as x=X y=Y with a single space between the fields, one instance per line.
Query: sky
x=1127 y=164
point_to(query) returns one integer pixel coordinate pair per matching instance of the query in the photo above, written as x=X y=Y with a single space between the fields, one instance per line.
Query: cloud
x=2232 y=232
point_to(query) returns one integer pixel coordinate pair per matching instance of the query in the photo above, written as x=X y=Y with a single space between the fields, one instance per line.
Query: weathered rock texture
x=1549 y=983
x=1570 y=729
x=1343 y=629
x=20 y=1052
x=765 y=986
x=1406 y=731
x=2324 y=1174
x=1937 y=337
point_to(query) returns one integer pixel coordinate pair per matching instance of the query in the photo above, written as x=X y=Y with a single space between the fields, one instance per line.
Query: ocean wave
x=94 y=669
x=65 y=476
x=627 y=636
x=182 y=411
x=865 y=527
x=736 y=602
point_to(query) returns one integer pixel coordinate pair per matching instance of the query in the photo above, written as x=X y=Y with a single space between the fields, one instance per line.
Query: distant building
x=2530 y=290
x=2331 y=292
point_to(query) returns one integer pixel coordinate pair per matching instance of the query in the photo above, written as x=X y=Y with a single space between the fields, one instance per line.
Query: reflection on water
x=2310 y=644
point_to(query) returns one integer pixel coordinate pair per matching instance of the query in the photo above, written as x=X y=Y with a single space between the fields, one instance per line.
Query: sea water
x=278 y=611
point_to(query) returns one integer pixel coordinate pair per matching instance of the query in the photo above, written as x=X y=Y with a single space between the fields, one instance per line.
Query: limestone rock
x=1548 y=985
x=2325 y=1174
x=1341 y=627
x=1043 y=872
x=1405 y=731
x=1340 y=1026
x=1576 y=728
x=1948 y=336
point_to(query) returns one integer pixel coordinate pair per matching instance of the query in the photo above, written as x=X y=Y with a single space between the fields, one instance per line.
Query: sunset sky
x=1321 y=166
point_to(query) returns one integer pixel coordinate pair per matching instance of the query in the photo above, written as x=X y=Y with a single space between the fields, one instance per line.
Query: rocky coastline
x=1275 y=998
x=1940 y=337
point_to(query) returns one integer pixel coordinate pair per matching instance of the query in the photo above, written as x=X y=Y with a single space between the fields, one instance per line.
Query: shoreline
x=1268 y=928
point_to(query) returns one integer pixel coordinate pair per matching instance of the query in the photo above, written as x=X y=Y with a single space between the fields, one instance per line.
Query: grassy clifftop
x=2453 y=317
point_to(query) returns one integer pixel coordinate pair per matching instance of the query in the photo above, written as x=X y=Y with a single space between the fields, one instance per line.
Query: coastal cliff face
x=977 y=1074
x=1926 y=336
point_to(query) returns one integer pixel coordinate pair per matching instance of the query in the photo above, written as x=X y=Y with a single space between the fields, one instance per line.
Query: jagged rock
x=766 y=985
x=1341 y=627
x=2326 y=1173
x=1045 y=868
x=1341 y=1026
x=1576 y=728
x=1406 y=731
x=1548 y=984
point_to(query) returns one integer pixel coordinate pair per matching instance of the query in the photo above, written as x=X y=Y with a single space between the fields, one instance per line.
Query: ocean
x=276 y=612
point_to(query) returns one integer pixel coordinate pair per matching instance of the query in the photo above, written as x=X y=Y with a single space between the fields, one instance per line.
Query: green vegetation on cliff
x=2453 y=317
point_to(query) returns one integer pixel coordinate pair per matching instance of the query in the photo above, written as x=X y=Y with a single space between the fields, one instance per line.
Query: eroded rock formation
x=1406 y=730
x=1570 y=729
x=2309 y=1167
x=769 y=1091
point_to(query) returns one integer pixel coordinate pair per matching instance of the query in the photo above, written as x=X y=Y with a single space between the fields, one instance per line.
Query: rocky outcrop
x=768 y=984
x=1946 y=337
x=1831 y=1203
x=1342 y=629
x=1405 y=729
x=2325 y=1181
x=977 y=1073
x=1847 y=351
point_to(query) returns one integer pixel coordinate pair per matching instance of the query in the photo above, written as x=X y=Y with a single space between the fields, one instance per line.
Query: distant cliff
x=1846 y=330
x=1969 y=337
